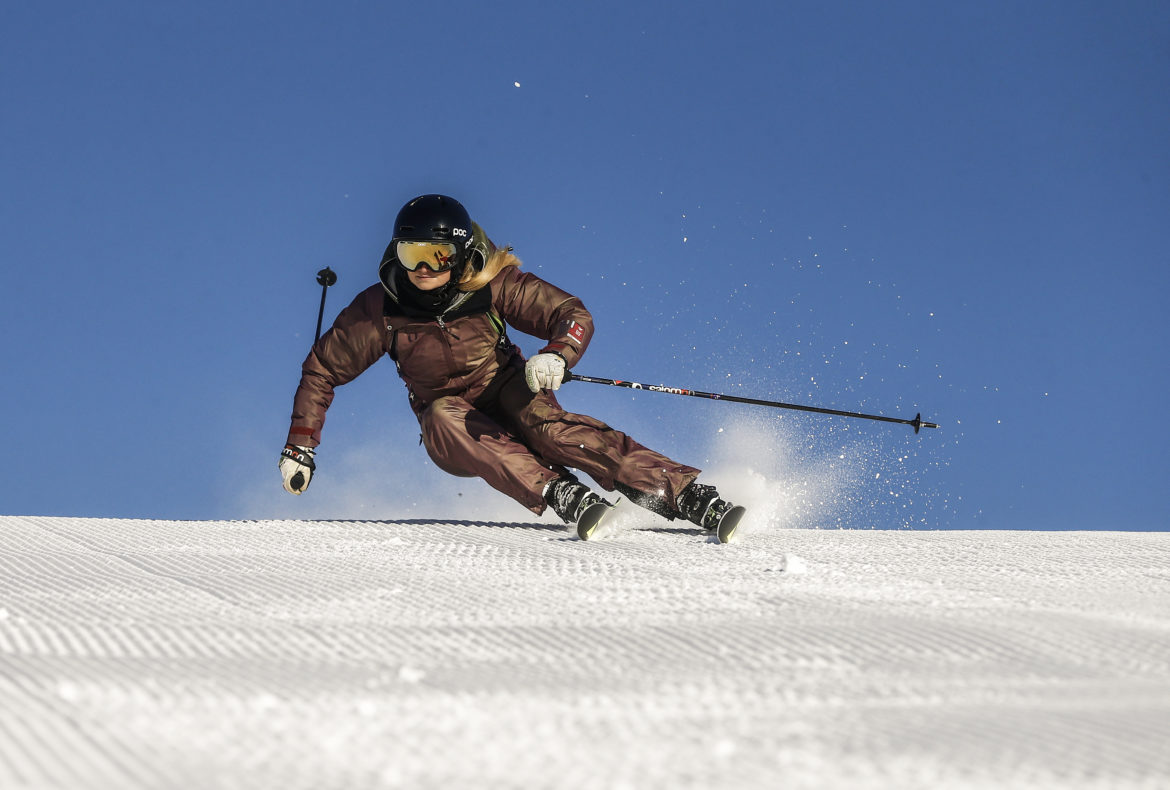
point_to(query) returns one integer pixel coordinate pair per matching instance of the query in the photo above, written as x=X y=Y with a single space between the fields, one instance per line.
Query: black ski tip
x=591 y=519
x=730 y=523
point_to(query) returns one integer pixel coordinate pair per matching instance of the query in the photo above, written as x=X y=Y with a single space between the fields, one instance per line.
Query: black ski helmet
x=432 y=218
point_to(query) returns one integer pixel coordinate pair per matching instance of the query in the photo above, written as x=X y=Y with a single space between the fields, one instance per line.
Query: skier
x=445 y=297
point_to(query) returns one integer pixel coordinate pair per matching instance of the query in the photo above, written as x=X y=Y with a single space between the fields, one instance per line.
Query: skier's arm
x=356 y=341
x=542 y=310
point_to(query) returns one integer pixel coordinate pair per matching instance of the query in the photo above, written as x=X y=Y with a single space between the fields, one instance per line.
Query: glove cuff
x=556 y=349
x=302 y=455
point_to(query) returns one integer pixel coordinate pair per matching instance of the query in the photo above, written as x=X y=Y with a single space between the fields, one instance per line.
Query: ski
x=594 y=523
x=589 y=525
x=729 y=523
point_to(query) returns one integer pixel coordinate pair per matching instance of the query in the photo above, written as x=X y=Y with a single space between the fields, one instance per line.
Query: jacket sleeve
x=542 y=310
x=356 y=341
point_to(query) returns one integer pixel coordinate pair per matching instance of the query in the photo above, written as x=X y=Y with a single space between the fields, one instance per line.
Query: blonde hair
x=495 y=261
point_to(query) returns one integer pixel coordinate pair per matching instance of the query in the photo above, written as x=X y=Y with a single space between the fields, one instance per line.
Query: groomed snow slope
x=148 y=654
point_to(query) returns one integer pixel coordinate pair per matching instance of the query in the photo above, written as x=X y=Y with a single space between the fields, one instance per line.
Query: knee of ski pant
x=557 y=429
x=444 y=425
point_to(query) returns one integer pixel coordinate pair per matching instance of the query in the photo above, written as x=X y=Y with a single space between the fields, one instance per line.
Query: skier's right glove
x=296 y=466
x=545 y=372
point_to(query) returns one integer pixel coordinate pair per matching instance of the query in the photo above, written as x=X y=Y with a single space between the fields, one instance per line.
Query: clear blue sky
x=962 y=209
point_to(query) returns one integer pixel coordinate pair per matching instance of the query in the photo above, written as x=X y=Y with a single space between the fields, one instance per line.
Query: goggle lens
x=436 y=255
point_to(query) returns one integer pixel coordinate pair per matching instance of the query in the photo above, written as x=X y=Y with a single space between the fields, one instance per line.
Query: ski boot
x=576 y=504
x=701 y=505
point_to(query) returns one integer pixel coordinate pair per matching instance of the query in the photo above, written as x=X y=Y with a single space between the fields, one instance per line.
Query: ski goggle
x=438 y=256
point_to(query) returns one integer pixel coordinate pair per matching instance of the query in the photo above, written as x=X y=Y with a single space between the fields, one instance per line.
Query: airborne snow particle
x=517 y=84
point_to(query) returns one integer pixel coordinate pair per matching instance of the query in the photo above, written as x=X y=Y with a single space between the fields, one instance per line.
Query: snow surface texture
x=284 y=654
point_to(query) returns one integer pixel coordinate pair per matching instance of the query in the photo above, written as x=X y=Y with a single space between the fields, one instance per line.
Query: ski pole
x=325 y=278
x=917 y=423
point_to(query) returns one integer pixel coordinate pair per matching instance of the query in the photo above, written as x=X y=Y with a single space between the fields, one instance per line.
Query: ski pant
x=518 y=442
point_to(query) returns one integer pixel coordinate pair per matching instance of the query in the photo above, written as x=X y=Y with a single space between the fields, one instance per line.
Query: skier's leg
x=607 y=455
x=466 y=442
x=616 y=461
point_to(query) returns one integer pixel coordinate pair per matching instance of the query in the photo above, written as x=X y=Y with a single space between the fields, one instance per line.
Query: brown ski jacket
x=458 y=352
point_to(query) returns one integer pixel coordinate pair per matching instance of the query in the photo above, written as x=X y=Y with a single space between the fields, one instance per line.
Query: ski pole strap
x=917 y=423
x=302 y=455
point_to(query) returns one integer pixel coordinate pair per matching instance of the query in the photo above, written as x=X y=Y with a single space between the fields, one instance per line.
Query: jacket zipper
x=458 y=301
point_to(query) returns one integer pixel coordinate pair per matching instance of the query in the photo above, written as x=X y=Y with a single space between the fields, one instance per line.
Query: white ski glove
x=544 y=372
x=296 y=466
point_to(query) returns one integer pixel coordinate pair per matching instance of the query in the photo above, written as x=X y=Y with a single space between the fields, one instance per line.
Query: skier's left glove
x=297 y=467
x=544 y=372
